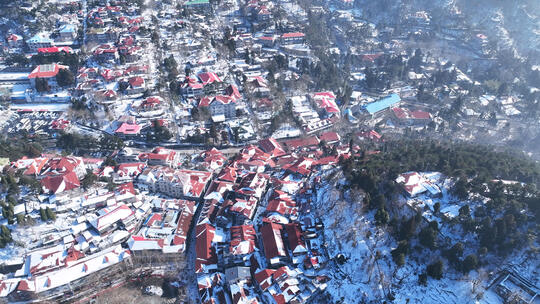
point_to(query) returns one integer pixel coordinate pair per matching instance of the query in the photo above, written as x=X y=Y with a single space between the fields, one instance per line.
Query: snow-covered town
x=269 y=151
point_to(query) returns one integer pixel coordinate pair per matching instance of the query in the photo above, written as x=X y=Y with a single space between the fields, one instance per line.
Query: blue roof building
x=40 y=38
x=67 y=28
x=382 y=104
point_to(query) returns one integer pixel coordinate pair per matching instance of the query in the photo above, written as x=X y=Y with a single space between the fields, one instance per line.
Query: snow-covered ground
x=58 y=107
x=369 y=274
x=29 y=237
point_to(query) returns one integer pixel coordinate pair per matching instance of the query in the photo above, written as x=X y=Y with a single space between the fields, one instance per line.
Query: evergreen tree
x=20 y=218
x=88 y=180
x=381 y=217
x=5 y=236
x=436 y=207
x=469 y=263
x=65 y=78
x=42 y=85
x=378 y=202
x=455 y=252
x=435 y=270
x=428 y=237
x=43 y=214
x=50 y=214
x=407 y=229
x=465 y=211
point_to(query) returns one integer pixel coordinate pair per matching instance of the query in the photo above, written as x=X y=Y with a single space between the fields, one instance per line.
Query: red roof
x=325 y=94
x=293 y=35
x=329 y=137
x=402 y=113
x=13 y=37
x=233 y=92
x=204 y=234
x=62 y=164
x=228 y=174
x=59 y=183
x=264 y=102
x=264 y=278
x=420 y=115
x=126 y=128
x=126 y=188
x=328 y=104
x=371 y=57
x=271 y=146
x=272 y=240
x=294 y=144
x=55 y=49
x=294 y=236
x=46 y=70
x=151 y=102
x=224 y=99
x=209 y=77
x=205 y=101
x=242 y=239
x=136 y=81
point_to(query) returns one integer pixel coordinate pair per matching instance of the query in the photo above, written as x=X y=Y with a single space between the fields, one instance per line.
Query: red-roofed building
x=243 y=240
x=60 y=183
x=191 y=88
x=55 y=49
x=106 y=53
x=294 y=237
x=264 y=13
x=286 y=207
x=326 y=101
x=271 y=146
x=293 y=38
x=128 y=171
x=232 y=91
x=205 y=252
x=268 y=41
x=136 y=85
x=33 y=166
x=301 y=143
x=407 y=117
x=243 y=209
x=151 y=103
x=126 y=188
x=188 y=184
x=228 y=174
x=301 y=166
x=108 y=221
x=274 y=249
x=220 y=105
x=208 y=78
x=47 y=72
x=161 y=157
x=62 y=165
x=264 y=278
x=371 y=57
x=126 y=130
x=213 y=159
x=329 y=137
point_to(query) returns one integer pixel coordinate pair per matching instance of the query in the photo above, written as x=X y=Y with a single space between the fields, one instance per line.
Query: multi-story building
x=47 y=72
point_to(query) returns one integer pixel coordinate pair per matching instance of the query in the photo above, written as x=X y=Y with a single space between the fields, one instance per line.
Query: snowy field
x=370 y=274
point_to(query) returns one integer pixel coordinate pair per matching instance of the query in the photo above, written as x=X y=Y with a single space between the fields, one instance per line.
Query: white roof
x=78 y=269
